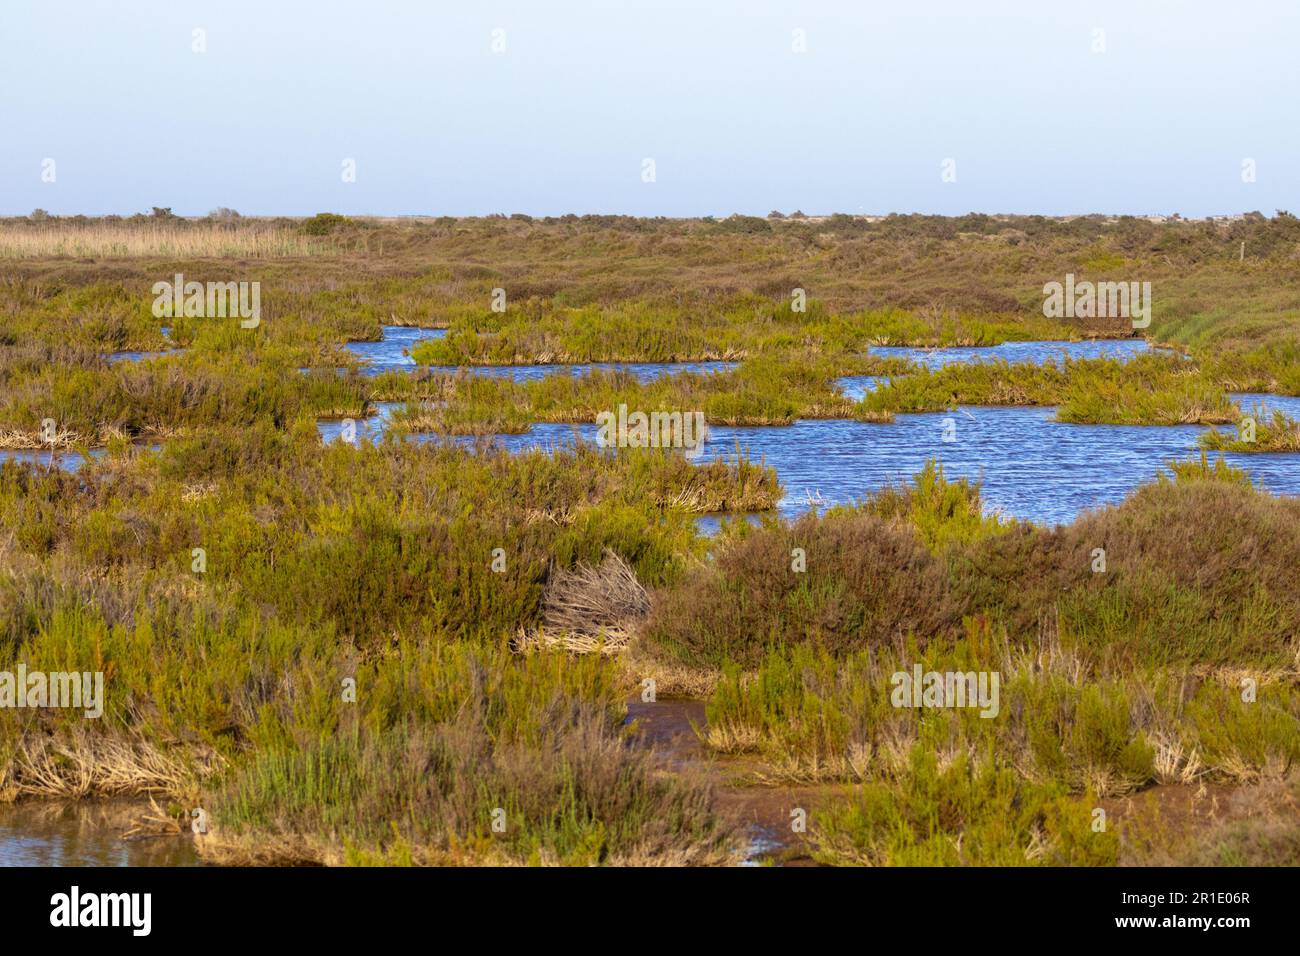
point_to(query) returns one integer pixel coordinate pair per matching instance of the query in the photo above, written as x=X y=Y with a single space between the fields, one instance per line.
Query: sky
x=670 y=108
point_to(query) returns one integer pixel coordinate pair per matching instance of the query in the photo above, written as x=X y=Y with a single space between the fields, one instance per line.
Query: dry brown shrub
x=867 y=582
x=602 y=602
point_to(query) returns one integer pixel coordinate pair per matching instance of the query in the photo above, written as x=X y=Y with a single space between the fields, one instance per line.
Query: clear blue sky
x=711 y=90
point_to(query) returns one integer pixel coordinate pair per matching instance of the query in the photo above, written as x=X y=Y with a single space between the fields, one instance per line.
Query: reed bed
x=187 y=241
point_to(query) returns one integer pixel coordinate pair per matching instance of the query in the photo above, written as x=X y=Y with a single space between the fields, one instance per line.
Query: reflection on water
x=709 y=525
x=1038 y=353
x=389 y=354
x=67 y=460
x=856 y=386
x=55 y=833
x=368 y=429
x=140 y=356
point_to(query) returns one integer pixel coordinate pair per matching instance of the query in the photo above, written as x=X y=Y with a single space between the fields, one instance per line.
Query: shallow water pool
x=1031 y=466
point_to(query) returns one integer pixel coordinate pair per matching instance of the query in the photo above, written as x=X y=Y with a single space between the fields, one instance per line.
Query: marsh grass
x=1277 y=432
x=1203 y=469
x=1062 y=718
x=636 y=311
x=1148 y=390
x=254 y=723
x=454 y=795
x=711 y=328
x=940 y=511
x=175 y=241
x=1144 y=390
x=979 y=383
x=964 y=813
x=818 y=580
x=1194 y=572
x=768 y=390
x=373 y=564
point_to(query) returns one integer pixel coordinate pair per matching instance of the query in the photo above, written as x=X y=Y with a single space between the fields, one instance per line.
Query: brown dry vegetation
x=868 y=582
x=1195 y=571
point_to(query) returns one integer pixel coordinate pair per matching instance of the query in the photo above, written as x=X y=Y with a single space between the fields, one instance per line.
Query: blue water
x=1031 y=466
x=856 y=386
x=1036 y=352
x=68 y=460
x=140 y=356
x=367 y=429
x=87 y=833
x=1287 y=404
x=390 y=354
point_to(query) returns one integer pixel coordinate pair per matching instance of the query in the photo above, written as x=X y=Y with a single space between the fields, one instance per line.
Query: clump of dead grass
x=590 y=610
